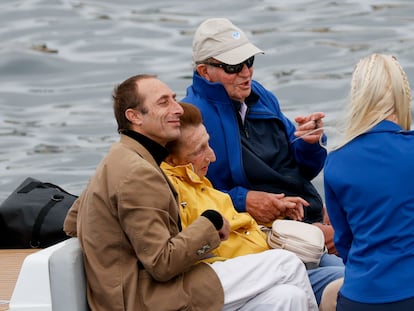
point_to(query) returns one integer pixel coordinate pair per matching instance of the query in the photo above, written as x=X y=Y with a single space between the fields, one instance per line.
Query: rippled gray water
x=59 y=61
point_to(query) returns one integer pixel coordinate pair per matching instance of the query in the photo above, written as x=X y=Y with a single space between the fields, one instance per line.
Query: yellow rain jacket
x=196 y=195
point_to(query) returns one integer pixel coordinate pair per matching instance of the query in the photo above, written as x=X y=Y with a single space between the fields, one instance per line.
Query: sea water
x=60 y=60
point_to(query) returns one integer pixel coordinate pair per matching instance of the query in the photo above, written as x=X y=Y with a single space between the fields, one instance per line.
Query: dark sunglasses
x=230 y=69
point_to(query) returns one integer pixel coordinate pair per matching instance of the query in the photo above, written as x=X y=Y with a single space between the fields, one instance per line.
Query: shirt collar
x=184 y=172
x=386 y=126
x=252 y=99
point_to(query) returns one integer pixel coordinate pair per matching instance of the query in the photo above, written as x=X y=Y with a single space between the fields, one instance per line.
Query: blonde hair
x=379 y=89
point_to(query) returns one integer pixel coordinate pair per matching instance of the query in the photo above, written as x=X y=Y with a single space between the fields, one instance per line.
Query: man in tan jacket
x=137 y=256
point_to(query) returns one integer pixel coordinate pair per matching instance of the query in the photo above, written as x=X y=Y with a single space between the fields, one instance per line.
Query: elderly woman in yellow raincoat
x=187 y=166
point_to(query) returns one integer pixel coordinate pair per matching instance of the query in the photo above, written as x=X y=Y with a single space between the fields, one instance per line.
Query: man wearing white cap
x=260 y=162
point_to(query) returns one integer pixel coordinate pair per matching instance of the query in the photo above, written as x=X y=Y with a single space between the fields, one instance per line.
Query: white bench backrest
x=52 y=279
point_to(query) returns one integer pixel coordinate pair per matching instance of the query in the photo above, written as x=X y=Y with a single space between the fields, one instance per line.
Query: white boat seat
x=67 y=278
x=52 y=279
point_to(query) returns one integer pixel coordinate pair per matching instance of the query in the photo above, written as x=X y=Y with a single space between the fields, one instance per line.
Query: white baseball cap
x=221 y=39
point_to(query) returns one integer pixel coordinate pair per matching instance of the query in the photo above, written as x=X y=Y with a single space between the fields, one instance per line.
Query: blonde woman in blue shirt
x=369 y=190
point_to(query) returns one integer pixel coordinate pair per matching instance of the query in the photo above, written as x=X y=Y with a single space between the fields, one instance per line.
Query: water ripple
x=59 y=61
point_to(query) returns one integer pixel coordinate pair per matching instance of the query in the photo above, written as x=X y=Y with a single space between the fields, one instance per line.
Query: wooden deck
x=11 y=261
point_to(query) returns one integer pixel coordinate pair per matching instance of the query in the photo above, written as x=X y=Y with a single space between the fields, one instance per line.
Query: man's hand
x=310 y=128
x=295 y=210
x=266 y=207
x=328 y=233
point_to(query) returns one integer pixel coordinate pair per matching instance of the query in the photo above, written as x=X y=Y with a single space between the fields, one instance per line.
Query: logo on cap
x=236 y=35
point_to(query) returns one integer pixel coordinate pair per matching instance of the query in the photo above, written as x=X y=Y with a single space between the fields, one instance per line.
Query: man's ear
x=134 y=116
x=202 y=71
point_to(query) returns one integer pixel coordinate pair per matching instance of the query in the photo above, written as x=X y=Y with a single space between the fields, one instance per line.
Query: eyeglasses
x=230 y=69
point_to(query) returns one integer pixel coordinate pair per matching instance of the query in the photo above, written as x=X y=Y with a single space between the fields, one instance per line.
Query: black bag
x=33 y=215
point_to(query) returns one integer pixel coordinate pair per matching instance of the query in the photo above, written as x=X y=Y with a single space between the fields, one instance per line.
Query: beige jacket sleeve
x=70 y=223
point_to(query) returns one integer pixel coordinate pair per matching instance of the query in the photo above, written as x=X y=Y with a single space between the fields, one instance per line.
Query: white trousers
x=270 y=280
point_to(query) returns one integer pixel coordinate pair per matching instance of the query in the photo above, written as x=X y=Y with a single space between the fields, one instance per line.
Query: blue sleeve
x=310 y=157
x=343 y=236
x=238 y=196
